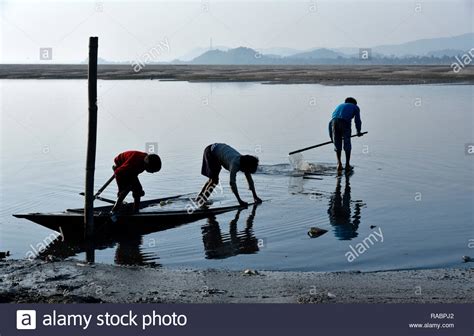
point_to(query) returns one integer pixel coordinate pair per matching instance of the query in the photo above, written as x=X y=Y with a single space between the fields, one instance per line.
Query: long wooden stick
x=91 y=140
x=100 y=198
x=319 y=145
x=106 y=184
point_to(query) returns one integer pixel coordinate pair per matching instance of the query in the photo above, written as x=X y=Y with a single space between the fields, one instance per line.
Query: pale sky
x=128 y=29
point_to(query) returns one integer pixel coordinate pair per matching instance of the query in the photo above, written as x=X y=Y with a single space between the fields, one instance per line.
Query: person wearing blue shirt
x=340 y=129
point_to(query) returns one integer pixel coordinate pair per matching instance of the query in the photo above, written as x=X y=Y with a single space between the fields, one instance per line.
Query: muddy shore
x=274 y=74
x=72 y=281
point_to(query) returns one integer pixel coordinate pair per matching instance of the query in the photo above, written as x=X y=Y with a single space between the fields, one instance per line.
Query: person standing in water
x=220 y=155
x=340 y=129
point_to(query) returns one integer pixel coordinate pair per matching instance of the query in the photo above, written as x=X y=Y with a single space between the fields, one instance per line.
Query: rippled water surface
x=412 y=182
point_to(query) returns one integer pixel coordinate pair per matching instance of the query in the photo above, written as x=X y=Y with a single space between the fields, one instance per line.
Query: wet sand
x=274 y=74
x=71 y=281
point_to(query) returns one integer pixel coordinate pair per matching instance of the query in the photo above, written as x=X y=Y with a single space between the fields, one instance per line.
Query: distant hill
x=247 y=56
x=243 y=55
x=445 y=52
x=199 y=51
x=425 y=51
x=424 y=46
x=321 y=53
x=279 y=51
x=238 y=56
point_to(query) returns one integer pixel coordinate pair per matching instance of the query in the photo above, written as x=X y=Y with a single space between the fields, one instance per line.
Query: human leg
x=347 y=144
x=337 y=135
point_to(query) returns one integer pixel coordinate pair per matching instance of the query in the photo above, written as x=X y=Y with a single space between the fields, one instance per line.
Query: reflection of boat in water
x=128 y=249
x=71 y=222
x=126 y=236
x=220 y=246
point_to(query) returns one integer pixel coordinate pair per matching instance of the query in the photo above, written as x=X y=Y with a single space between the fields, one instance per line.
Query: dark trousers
x=130 y=183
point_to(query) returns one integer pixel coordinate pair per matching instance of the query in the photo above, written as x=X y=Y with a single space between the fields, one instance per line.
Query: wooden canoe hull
x=71 y=223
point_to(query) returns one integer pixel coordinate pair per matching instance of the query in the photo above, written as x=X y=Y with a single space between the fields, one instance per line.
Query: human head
x=350 y=100
x=248 y=164
x=152 y=163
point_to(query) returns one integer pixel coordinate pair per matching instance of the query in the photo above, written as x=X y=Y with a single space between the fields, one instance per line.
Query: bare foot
x=349 y=168
x=339 y=167
x=201 y=202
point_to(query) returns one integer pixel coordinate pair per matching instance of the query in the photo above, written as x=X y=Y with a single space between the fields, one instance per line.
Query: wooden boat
x=71 y=222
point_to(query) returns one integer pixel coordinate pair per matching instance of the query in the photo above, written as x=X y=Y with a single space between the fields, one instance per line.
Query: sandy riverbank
x=72 y=281
x=274 y=74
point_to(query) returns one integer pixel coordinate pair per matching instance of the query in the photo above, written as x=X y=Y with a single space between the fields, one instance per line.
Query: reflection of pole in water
x=340 y=210
x=220 y=246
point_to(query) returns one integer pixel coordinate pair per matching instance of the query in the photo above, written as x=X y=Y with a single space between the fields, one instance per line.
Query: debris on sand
x=316 y=232
x=87 y=264
x=25 y=281
x=251 y=272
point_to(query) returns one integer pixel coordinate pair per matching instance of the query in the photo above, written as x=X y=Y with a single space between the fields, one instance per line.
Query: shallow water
x=412 y=181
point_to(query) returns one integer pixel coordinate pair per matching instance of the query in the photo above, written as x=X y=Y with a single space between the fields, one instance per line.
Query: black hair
x=248 y=163
x=154 y=162
x=351 y=100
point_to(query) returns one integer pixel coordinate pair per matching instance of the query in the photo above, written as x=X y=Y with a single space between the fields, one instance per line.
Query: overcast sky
x=127 y=30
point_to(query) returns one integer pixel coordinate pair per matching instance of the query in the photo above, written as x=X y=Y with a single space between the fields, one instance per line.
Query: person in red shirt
x=128 y=165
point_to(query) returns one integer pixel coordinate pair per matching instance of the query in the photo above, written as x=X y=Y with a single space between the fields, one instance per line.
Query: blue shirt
x=347 y=111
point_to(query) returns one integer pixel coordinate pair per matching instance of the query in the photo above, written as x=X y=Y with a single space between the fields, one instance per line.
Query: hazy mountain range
x=425 y=51
x=414 y=51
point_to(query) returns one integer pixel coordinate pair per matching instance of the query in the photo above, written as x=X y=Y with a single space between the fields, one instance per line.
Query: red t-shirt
x=129 y=164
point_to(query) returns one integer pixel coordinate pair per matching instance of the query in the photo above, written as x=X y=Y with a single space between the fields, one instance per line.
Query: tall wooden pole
x=91 y=147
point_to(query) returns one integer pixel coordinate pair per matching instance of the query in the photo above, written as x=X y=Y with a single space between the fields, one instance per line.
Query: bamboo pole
x=91 y=146
x=319 y=145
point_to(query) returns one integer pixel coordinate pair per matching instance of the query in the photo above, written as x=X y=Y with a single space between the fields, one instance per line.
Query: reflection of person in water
x=221 y=246
x=128 y=252
x=345 y=225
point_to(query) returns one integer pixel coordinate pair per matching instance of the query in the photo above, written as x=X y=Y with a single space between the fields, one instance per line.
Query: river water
x=412 y=182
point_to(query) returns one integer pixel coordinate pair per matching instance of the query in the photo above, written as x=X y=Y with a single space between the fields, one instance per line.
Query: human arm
x=122 y=172
x=233 y=187
x=252 y=188
x=357 y=121
x=119 y=202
